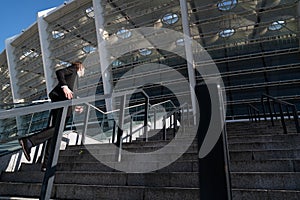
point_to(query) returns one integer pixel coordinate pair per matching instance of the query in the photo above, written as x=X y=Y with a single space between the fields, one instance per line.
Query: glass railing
x=19 y=126
x=102 y=126
x=157 y=111
x=13 y=128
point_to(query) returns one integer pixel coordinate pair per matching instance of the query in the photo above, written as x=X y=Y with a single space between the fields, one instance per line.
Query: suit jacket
x=67 y=76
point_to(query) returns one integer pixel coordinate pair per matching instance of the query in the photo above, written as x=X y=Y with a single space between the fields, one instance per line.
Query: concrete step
x=108 y=153
x=75 y=191
x=259 y=124
x=264 y=154
x=284 y=165
x=263 y=145
x=266 y=180
x=259 y=132
x=235 y=155
x=161 y=137
x=137 y=148
x=17 y=198
x=177 y=166
x=265 y=166
x=153 y=135
x=158 y=143
x=290 y=138
x=265 y=194
x=263 y=127
x=174 y=179
x=111 y=157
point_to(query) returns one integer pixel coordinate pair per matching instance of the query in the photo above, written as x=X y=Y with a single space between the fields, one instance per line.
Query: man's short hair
x=78 y=65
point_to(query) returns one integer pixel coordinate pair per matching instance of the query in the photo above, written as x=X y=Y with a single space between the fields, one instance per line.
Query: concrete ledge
x=249 y=194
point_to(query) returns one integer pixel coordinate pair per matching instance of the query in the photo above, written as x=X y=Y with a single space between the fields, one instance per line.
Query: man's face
x=80 y=72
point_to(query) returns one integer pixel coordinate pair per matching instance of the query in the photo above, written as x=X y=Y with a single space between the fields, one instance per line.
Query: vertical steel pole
x=85 y=126
x=189 y=52
x=282 y=119
x=146 y=117
x=54 y=153
x=121 y=127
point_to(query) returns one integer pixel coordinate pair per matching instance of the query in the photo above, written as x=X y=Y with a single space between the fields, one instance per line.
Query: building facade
x=253 y=44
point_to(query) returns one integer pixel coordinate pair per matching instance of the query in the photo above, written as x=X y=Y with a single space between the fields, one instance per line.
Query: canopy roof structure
x=254 y=44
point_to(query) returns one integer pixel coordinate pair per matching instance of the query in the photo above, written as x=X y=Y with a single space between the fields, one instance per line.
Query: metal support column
x=85 y=125
x=102 y=50
x=189 y=53
x=13 y=75
x=45 y=44
x=121 y=127
x=54 y=153
x=214 y=173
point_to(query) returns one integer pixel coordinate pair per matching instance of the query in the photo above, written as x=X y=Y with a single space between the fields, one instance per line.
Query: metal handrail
x=28 y=130
x=113 y=111
x=120 y=130
x=50 y=172
x=271 y=103
x=253 y=112
x=173 y=113
x=104 y=113
x=160 y=103
x=63 y=106
x=131 y=132
x=53 y=157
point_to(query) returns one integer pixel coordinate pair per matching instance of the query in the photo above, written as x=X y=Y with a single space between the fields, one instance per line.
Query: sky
x=18 y=15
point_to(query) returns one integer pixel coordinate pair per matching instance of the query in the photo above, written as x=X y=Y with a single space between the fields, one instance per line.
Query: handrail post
x=49 y=176
x=296 y=118
x=287 y=111
x=252 y=115
x=282 y=119
x=164 y=128
x=270 y=108
x=175 y=123
x=274 y=109
x=85 y=125
x=154 y=119
x=188 y=115
x=255 y=115
x=114 y=133
x=263 y=107
x=131 y=125
x=120 y=127
x=287 y=105
x=249 y=114
x=146 y=117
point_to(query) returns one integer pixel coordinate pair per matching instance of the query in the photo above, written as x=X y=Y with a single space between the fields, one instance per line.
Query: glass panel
x=170 y=18
x=226 y=5
x=227 y=33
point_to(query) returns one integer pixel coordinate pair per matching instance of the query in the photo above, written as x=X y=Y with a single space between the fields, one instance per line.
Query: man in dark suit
x=67 y=83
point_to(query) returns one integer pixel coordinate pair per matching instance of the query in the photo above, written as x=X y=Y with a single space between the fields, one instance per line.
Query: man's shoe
x=26 y=147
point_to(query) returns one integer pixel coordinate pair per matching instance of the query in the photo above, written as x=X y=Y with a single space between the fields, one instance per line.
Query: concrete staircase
x=265 y=164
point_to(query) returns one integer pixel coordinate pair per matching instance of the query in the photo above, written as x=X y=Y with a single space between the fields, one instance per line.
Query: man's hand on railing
x=68 y=92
